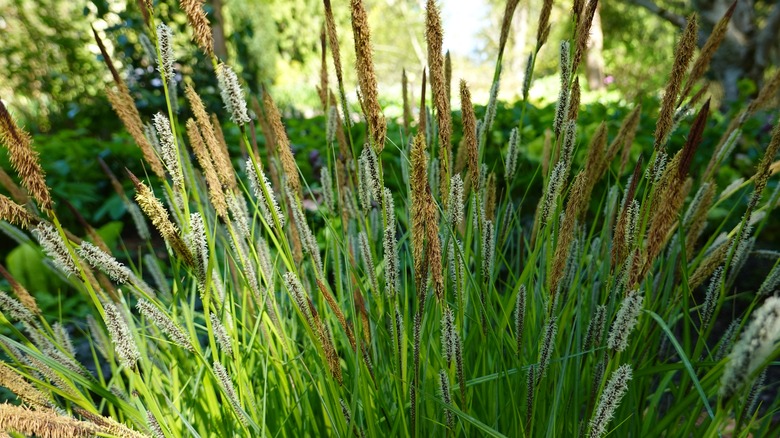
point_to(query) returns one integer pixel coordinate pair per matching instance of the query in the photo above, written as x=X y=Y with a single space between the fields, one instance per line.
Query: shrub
x=289 y=306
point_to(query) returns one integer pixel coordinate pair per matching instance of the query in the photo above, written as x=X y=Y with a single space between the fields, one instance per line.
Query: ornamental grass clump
x=430 y=293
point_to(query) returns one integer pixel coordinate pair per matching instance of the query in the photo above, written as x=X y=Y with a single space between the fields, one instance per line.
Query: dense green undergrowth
x=516 y=271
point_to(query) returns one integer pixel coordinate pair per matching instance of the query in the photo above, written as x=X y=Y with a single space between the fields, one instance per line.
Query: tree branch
x=677 y=20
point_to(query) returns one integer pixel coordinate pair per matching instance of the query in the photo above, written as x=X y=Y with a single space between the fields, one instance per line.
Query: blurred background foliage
x=53 y=78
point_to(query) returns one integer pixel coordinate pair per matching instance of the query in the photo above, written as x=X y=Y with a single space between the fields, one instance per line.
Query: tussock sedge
x=420 y=308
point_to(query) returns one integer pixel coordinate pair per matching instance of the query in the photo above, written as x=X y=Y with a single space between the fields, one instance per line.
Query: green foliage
x=551 y=308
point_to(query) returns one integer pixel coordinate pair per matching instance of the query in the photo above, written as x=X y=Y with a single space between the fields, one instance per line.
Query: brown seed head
x=470 y=134
x=574 y=100
x=377 y=125
x=125 y=108
x=506 y=23
x=282 y=143
x=24 y=159
x=434 y=35
x=43 y=423
x=419 y=189
x=583 y=32
x=694 y=139
x=625 y=136
x=682 y=58
x=322 y=91
x=422 y=112
x=433 y=246
x=490 y=197
x=448 y=78
x=333 y=40
x=201 y=29
x=407 y=117
x=216 y=194
x=705 y=55
x=159 y=217
x=543 y=28
x=24 y=390
x=219 y=156
x=767 y=93
x=15 y=214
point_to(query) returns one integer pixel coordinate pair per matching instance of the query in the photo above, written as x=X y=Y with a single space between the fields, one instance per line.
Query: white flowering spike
x=327 y=189
x=139 y=220
x=330 y=133
x=446 y=397
x=512 y=155
x=488 y=249
x=711 y=298
x=165 y=39
x=232 y=95
x=755 y=344
x=107 y=264
x=120 y=335
x=168 y=148
x=164 y=323
x=520 y=318
x=548 y=344
x=301 y=299
x=371 y=167
x=529 y=68
x=625 y=321
x=771 y=281
x=227 y=385
x=610 y=400
x=553 y=190
x=14 y=309
x=448 y=335
x=221 y=335
x=266 y=207
x=54 y=247
x=562 y=106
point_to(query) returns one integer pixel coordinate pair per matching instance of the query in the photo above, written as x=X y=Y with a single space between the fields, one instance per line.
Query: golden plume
x=470 y=134
x=208 y=131
x=26 y=392
x=707 y=51
x=671 y=194
x=419 y=190
x=43 y=423
x=682 y=57
x=543 y=26
x=125 y=108
x=216 y=194
x=24 y=159
x=506 y=22
x=15 y=214
x=377 y=126
x=434 y=35
x=201 y=29
x=159 y=217
x=333 y=40
x=584 y=23
x=282 y=143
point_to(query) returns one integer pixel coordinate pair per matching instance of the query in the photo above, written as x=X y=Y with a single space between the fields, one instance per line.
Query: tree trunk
x=218 y=30
x=594 y=62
